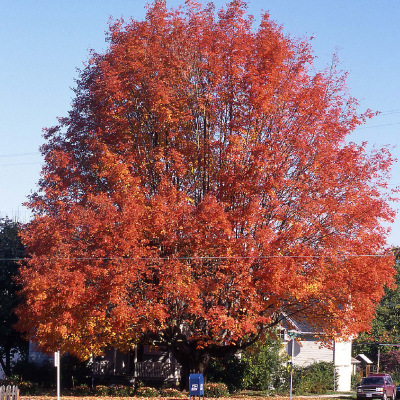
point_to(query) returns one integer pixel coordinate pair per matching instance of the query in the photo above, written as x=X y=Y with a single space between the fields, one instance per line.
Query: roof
x=364 y=358
x=301 y=327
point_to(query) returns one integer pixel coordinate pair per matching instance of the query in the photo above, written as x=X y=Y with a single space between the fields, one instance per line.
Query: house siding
x=309 y=351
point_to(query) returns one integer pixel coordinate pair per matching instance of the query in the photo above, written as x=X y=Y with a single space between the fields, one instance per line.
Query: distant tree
x=385 y=328
x=390 y=362
x=11 y=250
x=200 y=188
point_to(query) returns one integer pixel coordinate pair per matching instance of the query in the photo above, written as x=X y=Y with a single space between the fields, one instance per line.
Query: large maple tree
x=200 y=189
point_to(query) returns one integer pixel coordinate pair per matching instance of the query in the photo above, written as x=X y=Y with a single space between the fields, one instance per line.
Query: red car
x=377 y=386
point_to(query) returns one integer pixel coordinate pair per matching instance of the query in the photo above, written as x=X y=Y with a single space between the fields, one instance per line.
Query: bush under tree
x=259 y=367
x=316 y=378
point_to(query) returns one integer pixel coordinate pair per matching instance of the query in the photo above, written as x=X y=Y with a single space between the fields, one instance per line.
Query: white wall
x=342 y=360
x=308 y=352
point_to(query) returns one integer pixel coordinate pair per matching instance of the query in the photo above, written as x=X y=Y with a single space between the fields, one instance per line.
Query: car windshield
x=372 y=381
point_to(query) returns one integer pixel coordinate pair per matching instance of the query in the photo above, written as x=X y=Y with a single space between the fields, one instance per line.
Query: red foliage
x=200 y=188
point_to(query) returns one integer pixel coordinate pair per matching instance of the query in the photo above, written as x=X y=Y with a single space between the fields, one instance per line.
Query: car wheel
x=384 y=397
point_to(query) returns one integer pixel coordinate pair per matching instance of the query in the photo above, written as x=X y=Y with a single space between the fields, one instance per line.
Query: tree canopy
x=201 y=188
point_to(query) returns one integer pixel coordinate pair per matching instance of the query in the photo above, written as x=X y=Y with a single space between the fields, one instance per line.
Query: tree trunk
x=3 y=365
x=192 y=360
x=8 y=362
x=6 y=365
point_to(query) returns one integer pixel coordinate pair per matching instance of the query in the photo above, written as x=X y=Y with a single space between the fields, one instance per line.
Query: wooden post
x=379 y=358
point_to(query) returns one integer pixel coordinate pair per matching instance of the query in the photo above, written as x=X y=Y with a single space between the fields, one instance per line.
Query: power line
x=20 y=154
x=377 y=126
x=196 y=258
x=13 y=165
x=389 y=112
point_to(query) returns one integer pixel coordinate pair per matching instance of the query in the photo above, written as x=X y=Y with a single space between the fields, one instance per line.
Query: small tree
x=264 y=364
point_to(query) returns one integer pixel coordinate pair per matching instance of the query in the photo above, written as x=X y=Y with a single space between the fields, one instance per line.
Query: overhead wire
x=197 y=258
x=26 y=154
x=20 y=154
x=27 y=163
x=382 y=113
x=377 y=126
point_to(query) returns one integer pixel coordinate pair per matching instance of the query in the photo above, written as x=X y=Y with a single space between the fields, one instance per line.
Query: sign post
x=292 y=335
x=57 y=365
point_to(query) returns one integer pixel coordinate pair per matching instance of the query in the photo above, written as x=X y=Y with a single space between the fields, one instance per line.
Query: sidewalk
x=335 y=396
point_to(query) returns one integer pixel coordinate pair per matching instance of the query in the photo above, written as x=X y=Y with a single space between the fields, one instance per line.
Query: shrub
x=121 y=391
x=28 y=388
x=356 y=380
x=216 y=390
x=316 y=378
x=146 y=391
x=102 y=390
x=396 y=377
x=80 y=390
x=170 y=392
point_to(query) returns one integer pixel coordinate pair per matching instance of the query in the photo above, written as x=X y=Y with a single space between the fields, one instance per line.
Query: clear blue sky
x=43 y=42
